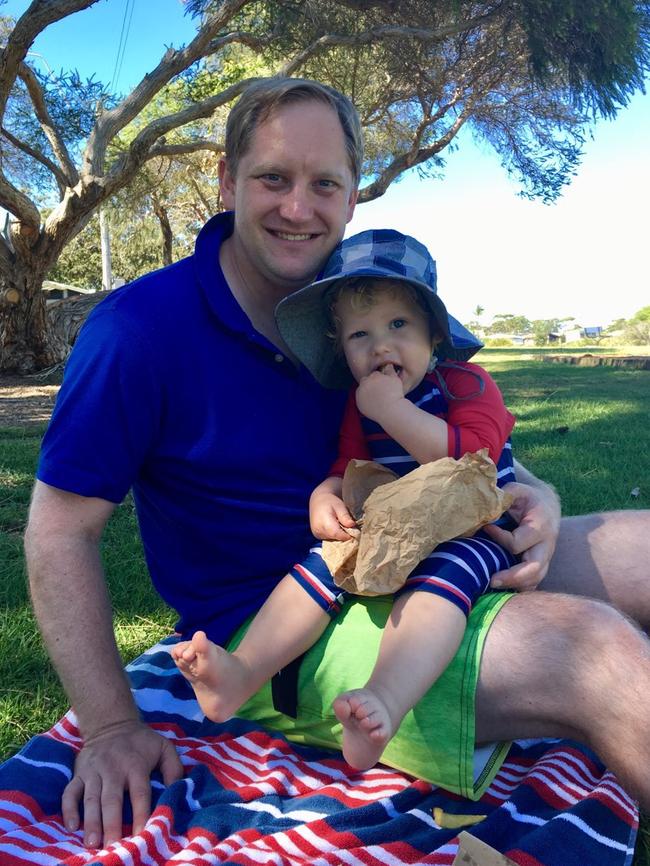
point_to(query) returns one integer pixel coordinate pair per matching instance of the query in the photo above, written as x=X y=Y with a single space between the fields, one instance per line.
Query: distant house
x=573 y=334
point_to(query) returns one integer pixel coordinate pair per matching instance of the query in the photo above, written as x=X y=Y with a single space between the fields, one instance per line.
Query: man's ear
x=354 y=195
x=226 y=184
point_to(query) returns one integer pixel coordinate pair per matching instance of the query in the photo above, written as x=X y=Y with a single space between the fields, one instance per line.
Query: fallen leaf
x=453 y=821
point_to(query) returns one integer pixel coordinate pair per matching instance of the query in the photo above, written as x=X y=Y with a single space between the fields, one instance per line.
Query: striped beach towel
x=250 y=797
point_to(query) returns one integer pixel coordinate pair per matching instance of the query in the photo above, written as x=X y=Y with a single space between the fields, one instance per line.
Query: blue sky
x=584 y=256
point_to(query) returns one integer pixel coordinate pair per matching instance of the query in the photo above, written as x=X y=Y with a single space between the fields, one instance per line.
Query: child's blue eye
x=398 y=323
x=357 y=334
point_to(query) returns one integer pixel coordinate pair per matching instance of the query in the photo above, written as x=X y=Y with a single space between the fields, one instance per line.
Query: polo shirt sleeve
x=476 y=420
x=107 y=412
x=352 y=441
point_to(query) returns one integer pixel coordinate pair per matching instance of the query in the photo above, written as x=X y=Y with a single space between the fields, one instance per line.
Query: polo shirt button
x=279 y=358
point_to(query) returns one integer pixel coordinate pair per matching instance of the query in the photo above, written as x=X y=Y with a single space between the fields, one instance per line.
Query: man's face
x=293 y=193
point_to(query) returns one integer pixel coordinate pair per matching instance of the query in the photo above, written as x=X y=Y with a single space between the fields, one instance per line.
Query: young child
x=378 y=302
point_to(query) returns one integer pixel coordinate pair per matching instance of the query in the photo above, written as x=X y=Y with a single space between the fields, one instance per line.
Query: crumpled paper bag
x=476 y=852
x=360 y=479
x=402 y=520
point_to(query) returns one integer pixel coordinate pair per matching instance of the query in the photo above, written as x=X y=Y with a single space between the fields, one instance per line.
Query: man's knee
x=549 y=662
x=605 y=556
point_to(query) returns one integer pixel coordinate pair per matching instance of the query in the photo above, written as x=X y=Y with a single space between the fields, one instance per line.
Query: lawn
x=584 y=429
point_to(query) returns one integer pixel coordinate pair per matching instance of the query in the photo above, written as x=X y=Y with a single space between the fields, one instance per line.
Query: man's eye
x=326 y=184
x=271 y=177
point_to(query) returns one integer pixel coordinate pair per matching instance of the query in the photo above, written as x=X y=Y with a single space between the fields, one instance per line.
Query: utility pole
x=107 y=272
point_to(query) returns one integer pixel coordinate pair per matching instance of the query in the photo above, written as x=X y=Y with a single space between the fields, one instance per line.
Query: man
x=181 y=387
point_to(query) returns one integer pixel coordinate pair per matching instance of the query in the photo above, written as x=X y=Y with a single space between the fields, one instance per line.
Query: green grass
x=31 y=698
x=595 y=464
x=597 y=461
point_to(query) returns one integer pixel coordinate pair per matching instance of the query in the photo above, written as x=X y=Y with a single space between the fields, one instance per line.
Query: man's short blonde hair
x=263 y=98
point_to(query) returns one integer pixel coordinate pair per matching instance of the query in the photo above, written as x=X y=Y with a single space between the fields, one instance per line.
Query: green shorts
x=435 y=741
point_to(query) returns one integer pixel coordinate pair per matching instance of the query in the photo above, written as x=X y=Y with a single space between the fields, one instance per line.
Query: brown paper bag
x=403 y=520
x=475 y=852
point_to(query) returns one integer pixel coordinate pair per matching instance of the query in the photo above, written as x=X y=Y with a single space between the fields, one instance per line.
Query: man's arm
x=536 y=509
x=73 y=610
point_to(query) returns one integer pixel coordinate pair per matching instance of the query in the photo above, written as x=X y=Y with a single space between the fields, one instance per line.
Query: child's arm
x=380 y=397
x=327 y=511
x=474 y=419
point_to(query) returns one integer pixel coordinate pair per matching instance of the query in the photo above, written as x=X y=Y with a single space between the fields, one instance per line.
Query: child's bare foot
x=221 y=681
x=367 y=726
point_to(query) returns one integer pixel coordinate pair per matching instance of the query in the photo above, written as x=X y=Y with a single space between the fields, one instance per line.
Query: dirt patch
x=629 y=362
x=26 y=401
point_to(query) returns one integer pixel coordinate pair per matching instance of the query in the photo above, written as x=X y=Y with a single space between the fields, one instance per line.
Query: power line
x=124 y=36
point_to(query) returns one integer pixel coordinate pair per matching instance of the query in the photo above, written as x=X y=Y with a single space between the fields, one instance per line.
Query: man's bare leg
x=562 y=666
x=605 y=556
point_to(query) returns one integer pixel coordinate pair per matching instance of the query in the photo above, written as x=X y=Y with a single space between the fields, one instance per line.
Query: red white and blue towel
x=250 y=798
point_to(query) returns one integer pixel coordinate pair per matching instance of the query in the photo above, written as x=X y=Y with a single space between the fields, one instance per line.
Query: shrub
x=497 y=341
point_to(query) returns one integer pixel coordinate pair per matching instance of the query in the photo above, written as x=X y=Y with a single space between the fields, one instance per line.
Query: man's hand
x=537 y=511
x=114 y=761
x=328 y=514
x=378 y=391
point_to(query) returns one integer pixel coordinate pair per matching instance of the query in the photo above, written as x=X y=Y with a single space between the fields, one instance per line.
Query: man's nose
x=296 y=205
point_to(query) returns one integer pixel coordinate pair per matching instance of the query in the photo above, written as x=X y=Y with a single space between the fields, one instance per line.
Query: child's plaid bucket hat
x=304 y=320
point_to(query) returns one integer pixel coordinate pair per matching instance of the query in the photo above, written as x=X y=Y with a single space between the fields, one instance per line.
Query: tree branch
x=47 y=124
x=138 y=152
x=38 y=16
x=185 y=147
x=198 y=192
x=420 y=34
x=414 y=156
x=241 y=37
x=174 y=62
x=61 y=179
x=18 y=204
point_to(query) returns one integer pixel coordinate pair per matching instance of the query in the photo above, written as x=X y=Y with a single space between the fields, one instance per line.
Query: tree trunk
x=163 y=218
x=26 y=341
x=68 y=315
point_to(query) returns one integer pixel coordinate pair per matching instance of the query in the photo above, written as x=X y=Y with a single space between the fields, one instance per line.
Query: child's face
x=392 y=330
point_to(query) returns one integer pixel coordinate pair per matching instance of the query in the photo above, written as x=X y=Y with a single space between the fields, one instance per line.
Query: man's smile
x=288 y=236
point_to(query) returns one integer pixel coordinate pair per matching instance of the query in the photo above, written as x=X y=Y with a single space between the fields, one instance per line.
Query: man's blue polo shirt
x=171 y=391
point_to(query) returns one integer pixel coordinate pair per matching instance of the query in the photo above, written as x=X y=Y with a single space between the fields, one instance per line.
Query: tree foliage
x=541 y=328
x=637 y=330
x=507 y=323
x=526 y=76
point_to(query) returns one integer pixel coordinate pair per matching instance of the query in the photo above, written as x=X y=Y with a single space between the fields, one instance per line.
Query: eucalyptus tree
x=525 y=76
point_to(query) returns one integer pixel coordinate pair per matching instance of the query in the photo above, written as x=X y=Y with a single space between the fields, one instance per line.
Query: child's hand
x=377 y=391
x=327 y=515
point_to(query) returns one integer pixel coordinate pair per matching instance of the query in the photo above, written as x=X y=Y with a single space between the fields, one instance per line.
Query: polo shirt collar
x=211 y=278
